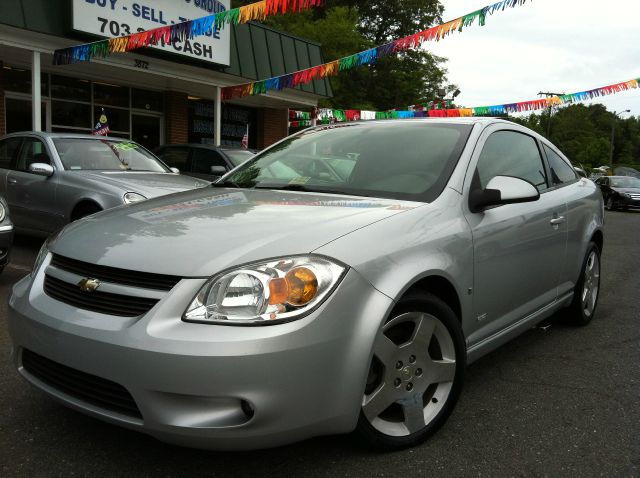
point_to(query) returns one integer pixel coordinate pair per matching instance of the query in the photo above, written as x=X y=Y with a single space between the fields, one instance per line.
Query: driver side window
x=33 y=151
x=509 y=153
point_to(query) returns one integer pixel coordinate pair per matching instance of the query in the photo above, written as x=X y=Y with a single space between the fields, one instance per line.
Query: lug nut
x=397 y=382
x=418 y=372
x=412 y=359
x=409 y=387
x=398 y=364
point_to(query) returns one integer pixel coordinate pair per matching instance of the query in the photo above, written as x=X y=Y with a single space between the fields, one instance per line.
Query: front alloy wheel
x=415 y=375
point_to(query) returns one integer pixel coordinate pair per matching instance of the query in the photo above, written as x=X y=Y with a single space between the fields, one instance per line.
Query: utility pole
x=548 y=94
x=616 y=116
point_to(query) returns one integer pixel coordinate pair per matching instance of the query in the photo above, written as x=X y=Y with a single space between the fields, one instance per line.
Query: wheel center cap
x=407 y=373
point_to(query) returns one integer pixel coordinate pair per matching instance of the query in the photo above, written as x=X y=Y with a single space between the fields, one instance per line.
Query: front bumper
x=626 y=202
x=211 y=386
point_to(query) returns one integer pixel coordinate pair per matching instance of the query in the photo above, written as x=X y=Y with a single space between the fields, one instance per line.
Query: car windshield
x=625 y=182
x=105 y=155
x=238 y=156
x=409 y=160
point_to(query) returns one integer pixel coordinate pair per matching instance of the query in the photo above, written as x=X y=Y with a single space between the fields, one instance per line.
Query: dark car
x=6 y=233
x=620 y=192
x=203 y=160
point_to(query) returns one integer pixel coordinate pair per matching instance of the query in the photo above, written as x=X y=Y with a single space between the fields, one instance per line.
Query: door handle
x=12 y=181
x=557 y=220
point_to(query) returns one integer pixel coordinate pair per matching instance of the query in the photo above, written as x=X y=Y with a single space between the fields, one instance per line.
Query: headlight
x=42 y=255
x=3 y=212
x=275 y=291
x=625 y=195
x=129 y=198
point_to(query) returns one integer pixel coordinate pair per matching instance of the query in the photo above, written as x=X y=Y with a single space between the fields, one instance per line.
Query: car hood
x=626 y=190
x=198 y=233
x=148 y=184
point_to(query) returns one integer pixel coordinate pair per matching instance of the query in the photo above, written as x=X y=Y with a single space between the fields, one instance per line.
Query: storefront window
x=18 y=80
x=68 y=113
x=18 y=114
x=236 y=122
x=201 y=121
x=111 y=95
x=147 y=100
x=70 y=88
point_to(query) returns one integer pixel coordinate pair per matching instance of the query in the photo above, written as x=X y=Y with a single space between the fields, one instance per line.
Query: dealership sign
x=113 y=18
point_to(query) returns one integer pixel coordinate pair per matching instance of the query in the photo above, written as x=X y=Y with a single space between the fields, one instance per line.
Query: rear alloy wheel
x=585 y=298
x=415 y=376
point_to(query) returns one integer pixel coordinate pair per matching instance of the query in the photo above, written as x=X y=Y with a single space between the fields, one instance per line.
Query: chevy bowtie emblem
x=88 y=285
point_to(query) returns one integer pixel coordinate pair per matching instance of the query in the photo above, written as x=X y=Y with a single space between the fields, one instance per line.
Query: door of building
x=146 y=130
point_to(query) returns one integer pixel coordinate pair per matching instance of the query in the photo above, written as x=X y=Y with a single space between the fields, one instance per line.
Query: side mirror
x=502 y=190
x=41 y=169
x=175 y=170
x=218 y=170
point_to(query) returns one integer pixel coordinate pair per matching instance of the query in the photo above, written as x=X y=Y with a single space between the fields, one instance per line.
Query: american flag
x=245 y=139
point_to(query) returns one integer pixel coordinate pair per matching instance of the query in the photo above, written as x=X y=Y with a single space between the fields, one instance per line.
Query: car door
x=203 y=159
x=9 y=148
x=31 y=197
x=519 y=249
x=569 y=187
x=603 y=182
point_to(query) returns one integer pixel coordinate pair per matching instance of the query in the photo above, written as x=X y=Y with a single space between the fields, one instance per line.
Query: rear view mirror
x=218 y=170
x=41 y=169
x=175 y=170
x=502 y=190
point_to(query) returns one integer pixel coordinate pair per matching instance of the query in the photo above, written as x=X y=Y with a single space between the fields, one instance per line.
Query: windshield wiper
x=298 y=187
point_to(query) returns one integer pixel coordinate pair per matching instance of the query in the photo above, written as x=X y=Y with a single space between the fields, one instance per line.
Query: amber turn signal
x=278 y=291
x=303 y=286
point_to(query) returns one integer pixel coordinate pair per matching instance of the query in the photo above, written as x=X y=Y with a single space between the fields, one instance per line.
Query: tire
x=84 y=210
x=610 y=205
x=415 y=376
x=587 y=291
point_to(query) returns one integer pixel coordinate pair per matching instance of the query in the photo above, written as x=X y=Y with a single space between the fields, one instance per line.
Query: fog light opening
x=247 y=409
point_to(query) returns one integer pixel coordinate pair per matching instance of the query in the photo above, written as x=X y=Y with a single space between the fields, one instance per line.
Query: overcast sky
x=561 y=46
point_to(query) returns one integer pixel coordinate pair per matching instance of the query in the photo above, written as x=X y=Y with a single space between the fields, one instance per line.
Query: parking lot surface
x=557 y=401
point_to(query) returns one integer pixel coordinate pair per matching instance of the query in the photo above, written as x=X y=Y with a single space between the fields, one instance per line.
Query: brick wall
x=176 y=117
x=3 y=119
x=273 y=125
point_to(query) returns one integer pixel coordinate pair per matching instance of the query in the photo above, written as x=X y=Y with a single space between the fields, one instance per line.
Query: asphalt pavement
x=557 y=401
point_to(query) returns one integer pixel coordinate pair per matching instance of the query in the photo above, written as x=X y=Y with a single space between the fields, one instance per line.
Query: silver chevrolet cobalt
x=341 y=280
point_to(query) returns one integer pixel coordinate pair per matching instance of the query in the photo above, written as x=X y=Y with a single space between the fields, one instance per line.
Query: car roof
x=44 y=134
x=203 y=146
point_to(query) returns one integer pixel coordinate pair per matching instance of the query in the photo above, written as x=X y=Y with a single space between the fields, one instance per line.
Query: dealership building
x=160 y=95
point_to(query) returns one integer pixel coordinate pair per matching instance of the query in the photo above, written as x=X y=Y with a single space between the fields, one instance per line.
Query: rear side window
x=561 y=172
x=175 y=157
x=8 y=150
x=509 y=153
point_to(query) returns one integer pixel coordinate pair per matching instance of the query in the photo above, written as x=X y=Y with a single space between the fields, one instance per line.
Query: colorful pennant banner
x=327 y=115
x=180 y=31
x=367 y=57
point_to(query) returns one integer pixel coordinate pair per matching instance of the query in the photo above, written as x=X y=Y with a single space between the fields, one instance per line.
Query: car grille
x=97 y=301
x=144 y=280
x=83 y=386
x=635 y=196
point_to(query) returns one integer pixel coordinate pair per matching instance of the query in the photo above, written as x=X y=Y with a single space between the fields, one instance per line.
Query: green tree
x=583 y=133
x=344 y=27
